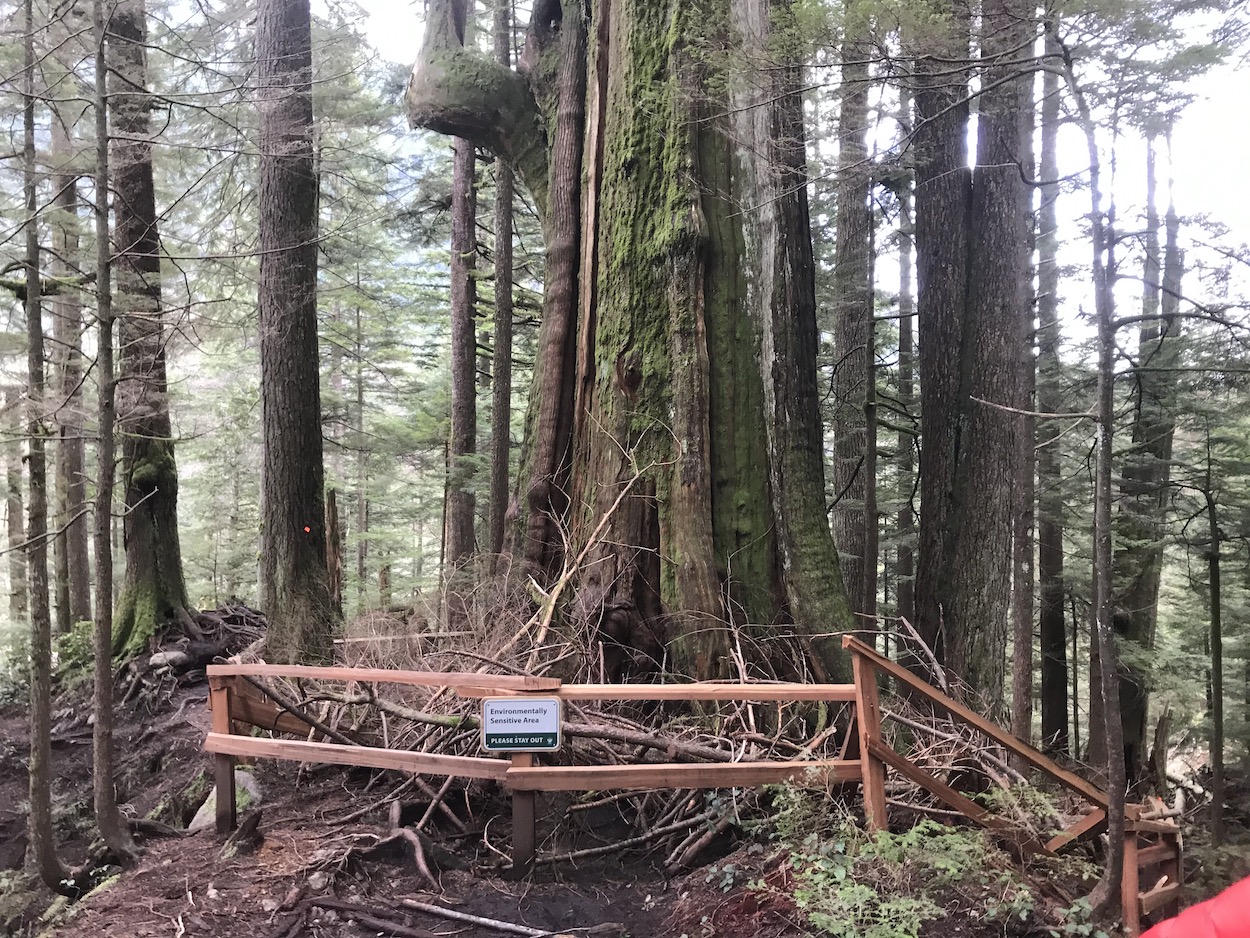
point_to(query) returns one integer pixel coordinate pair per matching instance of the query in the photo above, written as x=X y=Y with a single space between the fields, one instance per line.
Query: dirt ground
x=312 y=872
x=183 y=887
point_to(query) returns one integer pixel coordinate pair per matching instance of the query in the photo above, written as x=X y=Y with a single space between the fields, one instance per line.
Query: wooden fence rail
x=234 y=697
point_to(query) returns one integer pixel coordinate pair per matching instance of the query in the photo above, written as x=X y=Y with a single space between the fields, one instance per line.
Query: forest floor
x=184 y=886
x=313 y=872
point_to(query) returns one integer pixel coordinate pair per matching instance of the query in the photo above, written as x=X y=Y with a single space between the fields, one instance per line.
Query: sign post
x=522 y=726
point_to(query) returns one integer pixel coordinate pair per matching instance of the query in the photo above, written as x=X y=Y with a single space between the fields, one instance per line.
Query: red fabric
x=1225 y=916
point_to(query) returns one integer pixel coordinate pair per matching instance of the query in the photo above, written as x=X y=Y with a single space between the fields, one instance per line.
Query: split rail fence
x=1153 y=846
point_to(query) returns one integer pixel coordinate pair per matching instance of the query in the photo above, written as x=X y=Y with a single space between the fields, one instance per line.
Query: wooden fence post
x=223 y=765
x=1130 y=886
x=524 y=823
x=868 y=716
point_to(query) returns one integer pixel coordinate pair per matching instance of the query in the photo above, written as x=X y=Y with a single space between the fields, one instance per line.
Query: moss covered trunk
x=680 y=310
x=153 y=592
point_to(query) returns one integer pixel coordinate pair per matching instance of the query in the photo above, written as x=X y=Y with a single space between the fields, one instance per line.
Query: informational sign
x=520 y=724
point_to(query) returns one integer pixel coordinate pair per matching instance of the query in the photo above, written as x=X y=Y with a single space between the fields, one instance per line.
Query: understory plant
x=851 y=884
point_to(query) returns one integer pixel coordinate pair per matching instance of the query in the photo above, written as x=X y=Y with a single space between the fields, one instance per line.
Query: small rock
x=212 y=893
x=247 y=795
x=318 y=881
x=270 y=905
x=169 y=659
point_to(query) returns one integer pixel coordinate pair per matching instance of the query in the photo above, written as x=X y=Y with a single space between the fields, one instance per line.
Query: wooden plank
x=953 y=799
x=675 y=775
x=223 y=764
x=253 y=711
x=1091 y=825
x=419 y=763
x=524 y=821
x=1026 y=752
x=697 y=691
x=1151 y=827
x=1155 y=854
x=868 y=718
x=1160 y=896
x=386 y=676
x=1130 y=889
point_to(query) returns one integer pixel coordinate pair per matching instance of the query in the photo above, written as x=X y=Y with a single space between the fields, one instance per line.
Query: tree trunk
x=1024 y=491
x=968 y=242
x=362 y=475
x=15 y=509
x=153 y=592
x=294 y=591
x=463 y=441
x=853 y=316
x=334 y=551
x=40 y=823
x=501 y=370
x=1146 y=474
x=679 y=327
x=113 y=830
x=67 y=333
x=1217 y=660
x=1050 y=526
x=905 y=566
x=1103 y=639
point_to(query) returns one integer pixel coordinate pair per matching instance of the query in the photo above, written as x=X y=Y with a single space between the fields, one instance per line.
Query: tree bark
x=1102 y=264
x=1024 y=491
x=462 y=448
x=66 y=308
x=968 y=240
x=153 y=593
x=501 y=370
x=294 y=591
x=853 y=316
x=1217 y=658
x=113 y=830
x=1050 y=521
x=19 y=595
x=905 y=565
x=1146 y=475
x=42 y=843
x=678 y=341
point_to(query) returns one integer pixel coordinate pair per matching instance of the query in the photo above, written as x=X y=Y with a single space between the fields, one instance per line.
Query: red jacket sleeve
x=1225 y=916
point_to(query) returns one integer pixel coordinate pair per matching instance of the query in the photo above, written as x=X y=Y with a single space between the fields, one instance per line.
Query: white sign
x=521 y=724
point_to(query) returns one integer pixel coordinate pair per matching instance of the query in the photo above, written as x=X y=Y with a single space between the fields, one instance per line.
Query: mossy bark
x=153 y=593
x=680 y=259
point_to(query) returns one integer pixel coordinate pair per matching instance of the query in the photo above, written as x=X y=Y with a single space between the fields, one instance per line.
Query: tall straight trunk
x=19 y=595
x=1217 y=659
x=113 y=830
x=943 y=197
x=501 y=370
x=66 y=308
x=1146 y=473
x=40 y=823
x=294 y=591
x=1103 y=638
x=1025 y=489
x=461 y=503
x=362 y=473
x=853 y=317
x=1052 y=618
x=153 y=593
x=905 y=567
x=969 y=240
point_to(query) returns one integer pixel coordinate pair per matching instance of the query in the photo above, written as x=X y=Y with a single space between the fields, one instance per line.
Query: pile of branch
x=678 y=824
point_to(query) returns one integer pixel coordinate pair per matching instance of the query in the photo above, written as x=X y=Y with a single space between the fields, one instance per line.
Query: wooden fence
x=1153 y=845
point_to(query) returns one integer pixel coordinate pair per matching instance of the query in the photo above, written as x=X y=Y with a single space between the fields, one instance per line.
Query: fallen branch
x=455 y=916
